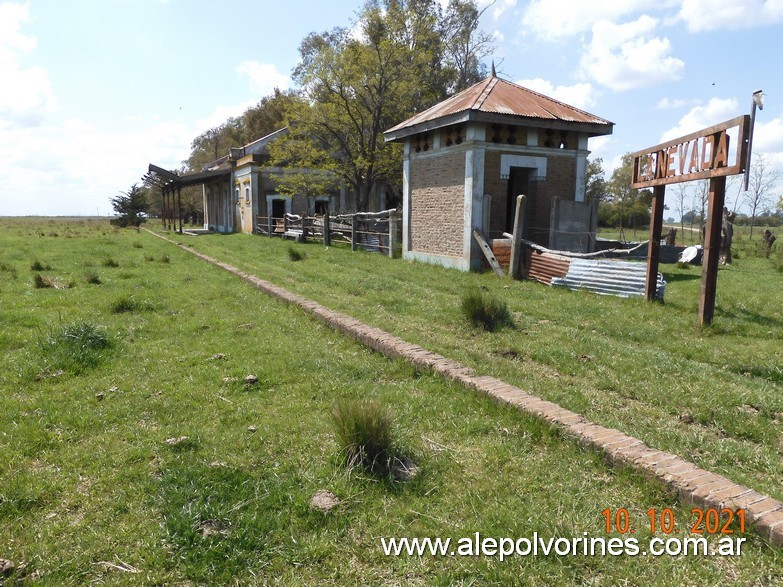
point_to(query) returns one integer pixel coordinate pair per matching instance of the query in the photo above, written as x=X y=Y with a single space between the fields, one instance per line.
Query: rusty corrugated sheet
x=495 y=95
x=545 y=267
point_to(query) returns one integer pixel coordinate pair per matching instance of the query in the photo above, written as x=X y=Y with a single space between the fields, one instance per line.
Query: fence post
x=392 y=234
x=327 y=231
x=353 y=232
x=304 y=228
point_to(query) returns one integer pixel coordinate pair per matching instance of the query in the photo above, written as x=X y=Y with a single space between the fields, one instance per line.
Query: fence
x=368 y=231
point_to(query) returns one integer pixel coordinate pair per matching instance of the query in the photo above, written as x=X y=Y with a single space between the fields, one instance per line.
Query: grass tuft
x=138 y=245
x=295 y=255
x=8 y=268
x=110 y=262
x=485 y=310
x=74 y=347
x=165 y=259
x=46 y=282
x=126 y=304
x=365 y=433
x=38 y=266
x=92 y=277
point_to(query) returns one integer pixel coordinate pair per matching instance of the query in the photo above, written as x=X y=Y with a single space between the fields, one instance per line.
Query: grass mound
x=126 y=304
x=484 y=310
x=295 y=255
x=365 y=433
x=74 y=347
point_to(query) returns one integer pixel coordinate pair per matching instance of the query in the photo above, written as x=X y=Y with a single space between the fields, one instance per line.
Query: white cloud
x=264 y=77
x=27 y=96
x=709 y=15
x=580 y=95
x=96 y=165
x=498 y=8
x=627 y=56
x=667 y=103
x=768 y=136
x=565 y=18
x=717 y=110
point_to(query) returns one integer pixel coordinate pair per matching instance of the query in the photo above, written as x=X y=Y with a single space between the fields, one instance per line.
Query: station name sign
x=713 y=152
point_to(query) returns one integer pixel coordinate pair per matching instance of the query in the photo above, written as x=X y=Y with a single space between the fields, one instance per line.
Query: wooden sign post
x=707 y=154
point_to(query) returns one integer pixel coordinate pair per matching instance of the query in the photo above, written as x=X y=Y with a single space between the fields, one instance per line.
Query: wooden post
x=516 y=245
x=654 y=247
x=179 y=208
x=269 y=223
x=392 y=234
x=304 y=228
x=709 y=267
x=353 y=231
x=327 y=231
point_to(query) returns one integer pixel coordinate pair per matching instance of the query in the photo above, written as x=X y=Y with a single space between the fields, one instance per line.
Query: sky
x=92 y=91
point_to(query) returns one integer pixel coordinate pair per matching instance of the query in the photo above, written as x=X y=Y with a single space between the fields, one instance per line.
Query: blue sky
x=93 y=91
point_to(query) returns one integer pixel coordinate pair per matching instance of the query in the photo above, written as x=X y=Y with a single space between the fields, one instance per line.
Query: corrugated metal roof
x=497 y=96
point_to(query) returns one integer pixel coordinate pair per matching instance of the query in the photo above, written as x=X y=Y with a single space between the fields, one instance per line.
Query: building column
x=406 y=197
x=474 y=206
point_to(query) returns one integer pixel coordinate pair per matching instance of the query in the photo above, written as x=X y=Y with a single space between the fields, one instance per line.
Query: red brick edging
x=692 y=484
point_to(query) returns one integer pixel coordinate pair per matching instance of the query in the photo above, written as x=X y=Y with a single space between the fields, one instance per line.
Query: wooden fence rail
x=369 y=231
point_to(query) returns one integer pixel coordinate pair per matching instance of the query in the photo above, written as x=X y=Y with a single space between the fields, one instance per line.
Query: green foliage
x=400 y=58
x=73 y=347
x=484 y=310
x=624 y=207
x=131 y=207
x=110 y=262
x=366 y=436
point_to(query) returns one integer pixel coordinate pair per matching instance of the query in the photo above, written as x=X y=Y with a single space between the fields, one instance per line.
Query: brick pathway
x=692 y=484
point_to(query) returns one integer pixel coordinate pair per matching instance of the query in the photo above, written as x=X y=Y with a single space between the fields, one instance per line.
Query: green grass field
x=140 y=343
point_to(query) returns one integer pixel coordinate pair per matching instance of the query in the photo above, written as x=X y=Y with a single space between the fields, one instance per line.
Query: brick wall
x=437 y=203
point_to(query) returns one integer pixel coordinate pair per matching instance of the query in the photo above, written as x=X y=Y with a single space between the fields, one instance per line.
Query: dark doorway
x=278 y=208
x=518 y=183
x=321 y=207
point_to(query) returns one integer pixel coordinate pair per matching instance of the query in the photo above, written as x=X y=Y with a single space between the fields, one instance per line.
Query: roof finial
x=492 y=71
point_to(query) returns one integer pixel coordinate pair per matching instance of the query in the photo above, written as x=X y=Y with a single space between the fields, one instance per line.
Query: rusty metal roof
x=495 y=96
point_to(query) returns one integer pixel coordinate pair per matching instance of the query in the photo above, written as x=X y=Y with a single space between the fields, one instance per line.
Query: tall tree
x=632 y=205
x=595 y=181
x=465 y=45
x=357 y=83
x=130 y=207
x=762 y=180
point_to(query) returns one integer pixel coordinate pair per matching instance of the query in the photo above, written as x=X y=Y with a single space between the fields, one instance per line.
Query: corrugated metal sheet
x=495 y=95
x=545 y=267
x=619 y=278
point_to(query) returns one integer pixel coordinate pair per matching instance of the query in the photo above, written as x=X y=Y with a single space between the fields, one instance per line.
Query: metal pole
x=758 y=100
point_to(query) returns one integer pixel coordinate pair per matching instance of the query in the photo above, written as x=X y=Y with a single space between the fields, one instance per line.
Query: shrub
x=486 y=311
x=74 y=347
x=295 y=255
x=365 y=434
